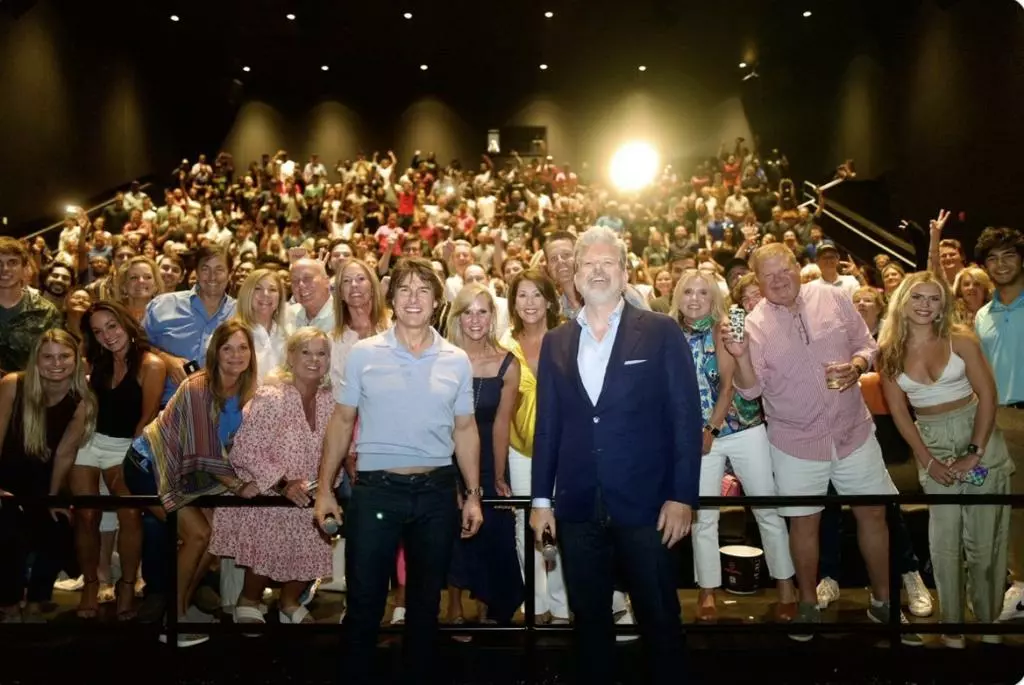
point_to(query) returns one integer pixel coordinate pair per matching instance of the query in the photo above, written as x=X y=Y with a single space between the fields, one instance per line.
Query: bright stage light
x=633 y=166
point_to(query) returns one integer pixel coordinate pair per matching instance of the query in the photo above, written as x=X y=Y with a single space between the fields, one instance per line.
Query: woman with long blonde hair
x=972 y=290
x=37 y=411
x=937 y=366
x=734 y=428
x=261 y=307
x=486 y=564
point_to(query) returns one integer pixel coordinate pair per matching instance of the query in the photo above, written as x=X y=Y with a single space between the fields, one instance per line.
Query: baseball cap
x=827 y=245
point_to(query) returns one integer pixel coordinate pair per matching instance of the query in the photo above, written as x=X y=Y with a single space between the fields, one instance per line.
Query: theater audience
x=38 y=427
x=77 y=303
x=928 y=360
x=280 y=544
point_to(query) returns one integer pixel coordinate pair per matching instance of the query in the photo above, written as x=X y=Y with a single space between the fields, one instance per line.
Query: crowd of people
x=378 y=335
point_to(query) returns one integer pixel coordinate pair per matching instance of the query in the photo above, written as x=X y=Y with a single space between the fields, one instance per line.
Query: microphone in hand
x=548 y=549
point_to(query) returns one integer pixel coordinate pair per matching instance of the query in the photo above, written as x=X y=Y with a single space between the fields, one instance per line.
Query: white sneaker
x=625 y=618
x=70 y=584
x=992 y=639
x=919 y=600
x=954 y=641
x=398 y=616
x=827 y=591
x=1013 y=603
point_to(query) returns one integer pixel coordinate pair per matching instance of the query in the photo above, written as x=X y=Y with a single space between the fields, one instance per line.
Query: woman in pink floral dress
x=278 y=449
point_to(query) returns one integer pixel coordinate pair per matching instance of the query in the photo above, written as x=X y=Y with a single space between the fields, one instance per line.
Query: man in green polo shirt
x=1000 y=325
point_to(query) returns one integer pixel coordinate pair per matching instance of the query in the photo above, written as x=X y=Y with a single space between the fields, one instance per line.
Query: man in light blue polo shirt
x=1000 y=325
x=413 y=392
x=180 y=324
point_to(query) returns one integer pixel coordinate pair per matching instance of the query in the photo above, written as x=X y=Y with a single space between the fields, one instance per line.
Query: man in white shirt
x=828 y=262
x=462 y=256
x=311 y=288
x=313 y=168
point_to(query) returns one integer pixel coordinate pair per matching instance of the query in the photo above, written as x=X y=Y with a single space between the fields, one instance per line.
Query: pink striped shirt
x=789 y=351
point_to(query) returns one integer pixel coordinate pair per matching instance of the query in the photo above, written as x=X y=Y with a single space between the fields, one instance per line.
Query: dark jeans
x=589 y=553
x=831 y=545
x=23 y=533
x=140 y=480
x=386 y=508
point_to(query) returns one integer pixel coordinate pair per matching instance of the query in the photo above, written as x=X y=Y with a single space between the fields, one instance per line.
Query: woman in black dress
x=486 y=565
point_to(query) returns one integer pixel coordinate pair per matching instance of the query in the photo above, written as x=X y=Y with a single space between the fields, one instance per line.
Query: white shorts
x=103 y=452
x=863 y=472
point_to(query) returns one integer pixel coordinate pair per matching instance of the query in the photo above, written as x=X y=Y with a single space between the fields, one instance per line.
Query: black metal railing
x=892 y=630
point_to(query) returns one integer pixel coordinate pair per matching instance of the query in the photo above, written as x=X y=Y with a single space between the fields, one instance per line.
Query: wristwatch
x=478 y=491
x=715 y=432
x=973 y=449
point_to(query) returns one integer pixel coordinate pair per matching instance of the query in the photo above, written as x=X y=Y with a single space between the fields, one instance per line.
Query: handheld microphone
x=331 y=526
x=548 y=549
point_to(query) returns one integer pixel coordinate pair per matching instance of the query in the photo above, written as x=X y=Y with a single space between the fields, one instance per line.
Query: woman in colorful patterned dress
x=733 y=428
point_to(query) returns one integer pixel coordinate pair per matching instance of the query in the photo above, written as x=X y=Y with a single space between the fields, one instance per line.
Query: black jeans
x=420 y=511
x=140 y=480
x=591 y=551
x=24 y=532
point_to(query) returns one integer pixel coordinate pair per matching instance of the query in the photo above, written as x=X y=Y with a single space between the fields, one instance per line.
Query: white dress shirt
x=324 y=319
x=270 y=349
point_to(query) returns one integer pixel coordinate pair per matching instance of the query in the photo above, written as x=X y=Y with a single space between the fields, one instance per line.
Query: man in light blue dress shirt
x=180 y=324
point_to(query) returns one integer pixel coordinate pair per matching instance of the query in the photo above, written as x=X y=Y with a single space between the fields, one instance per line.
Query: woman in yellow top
x=533 y=308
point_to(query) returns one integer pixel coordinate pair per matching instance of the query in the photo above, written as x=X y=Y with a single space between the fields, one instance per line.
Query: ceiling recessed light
x=743 y=65
x=246 y=69
x=543 y=67
x=290 y=16
x=423 y=67
x=807 y=13
x=642 y=68
x=324 y=68
x=407 y=15
x=174 y=17
x=548 y=15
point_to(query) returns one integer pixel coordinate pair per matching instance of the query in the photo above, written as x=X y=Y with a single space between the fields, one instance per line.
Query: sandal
x=125 y=597
x=300 y=614
x=88 y=607
x=248 y=614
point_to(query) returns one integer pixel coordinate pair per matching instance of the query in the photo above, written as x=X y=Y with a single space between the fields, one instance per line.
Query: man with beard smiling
x=619 y=434
x=1000 y=325
x=24 y=314
x=57 y=283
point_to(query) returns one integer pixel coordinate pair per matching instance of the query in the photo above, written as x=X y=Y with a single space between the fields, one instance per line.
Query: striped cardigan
x=187 y=452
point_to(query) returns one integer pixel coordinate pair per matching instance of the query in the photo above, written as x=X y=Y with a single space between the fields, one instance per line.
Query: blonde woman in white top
x=261 y=307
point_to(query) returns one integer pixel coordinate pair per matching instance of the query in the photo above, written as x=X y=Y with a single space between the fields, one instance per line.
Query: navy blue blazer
x=641 y=444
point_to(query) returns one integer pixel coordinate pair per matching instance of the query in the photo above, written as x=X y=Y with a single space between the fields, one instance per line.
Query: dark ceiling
x=482 y=48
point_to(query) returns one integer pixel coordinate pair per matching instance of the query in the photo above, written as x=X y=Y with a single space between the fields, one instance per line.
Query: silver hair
x=599 y=235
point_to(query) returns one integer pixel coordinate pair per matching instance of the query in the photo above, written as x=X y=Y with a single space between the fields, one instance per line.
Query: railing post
x=172 y=579
x=529 y=587
x=895 y=605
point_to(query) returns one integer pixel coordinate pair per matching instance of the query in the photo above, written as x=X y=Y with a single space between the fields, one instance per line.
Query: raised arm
x=935 y=227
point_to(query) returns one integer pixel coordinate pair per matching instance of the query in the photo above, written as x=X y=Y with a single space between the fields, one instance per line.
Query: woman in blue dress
x=487 y=565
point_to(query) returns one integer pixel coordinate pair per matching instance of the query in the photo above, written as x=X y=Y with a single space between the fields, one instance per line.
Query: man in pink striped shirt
x=796 y=337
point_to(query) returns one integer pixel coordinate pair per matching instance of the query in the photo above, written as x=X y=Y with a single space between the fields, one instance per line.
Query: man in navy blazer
x=617 y=446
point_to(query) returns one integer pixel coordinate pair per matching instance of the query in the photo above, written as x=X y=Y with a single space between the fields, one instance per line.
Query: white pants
x=750 y=455
x=549 y=591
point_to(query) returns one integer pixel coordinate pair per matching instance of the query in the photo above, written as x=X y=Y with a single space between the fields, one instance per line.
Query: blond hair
x=892 y=340
x=121 y=278
x=245 y=312
x=718 y=307
x=463 y=300
x=33 y=398
x=981 y=278
x=303 y=336
x=772 y=250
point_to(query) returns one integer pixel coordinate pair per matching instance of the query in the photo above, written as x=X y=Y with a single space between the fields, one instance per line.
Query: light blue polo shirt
x=178 y=324
x=407 y=405
x=1001 y=329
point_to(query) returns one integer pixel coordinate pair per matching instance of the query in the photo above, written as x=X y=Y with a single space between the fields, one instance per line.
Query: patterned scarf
x=702 y=347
